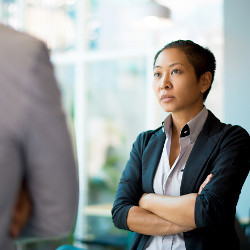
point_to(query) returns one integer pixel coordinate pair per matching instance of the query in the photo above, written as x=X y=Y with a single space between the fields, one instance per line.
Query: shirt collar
x=197 y=123
x=192 y=128
x=167 y=125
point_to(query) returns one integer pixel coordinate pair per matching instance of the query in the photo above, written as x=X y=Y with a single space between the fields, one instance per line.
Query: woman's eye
x=157 y=75
x=176 y=71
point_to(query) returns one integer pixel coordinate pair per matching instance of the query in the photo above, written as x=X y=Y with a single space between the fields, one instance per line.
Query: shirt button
x=169 y=179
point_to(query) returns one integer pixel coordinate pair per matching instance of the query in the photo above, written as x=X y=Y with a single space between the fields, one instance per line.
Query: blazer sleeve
x=230 y=167
x=50 y=167
x=129 y=189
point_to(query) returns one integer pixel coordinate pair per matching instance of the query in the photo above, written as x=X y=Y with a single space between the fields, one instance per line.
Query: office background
x=102 y=51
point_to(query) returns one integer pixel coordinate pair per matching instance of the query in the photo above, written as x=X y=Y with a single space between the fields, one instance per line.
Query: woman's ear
x=205 y=81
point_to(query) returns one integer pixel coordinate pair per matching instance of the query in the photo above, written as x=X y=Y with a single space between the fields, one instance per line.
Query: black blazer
x=219 y=149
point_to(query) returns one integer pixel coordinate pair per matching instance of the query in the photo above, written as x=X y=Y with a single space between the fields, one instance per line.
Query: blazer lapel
x=199 y=155
x=150 y=160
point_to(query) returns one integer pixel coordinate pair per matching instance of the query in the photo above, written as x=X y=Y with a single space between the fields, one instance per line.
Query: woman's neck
x=180 y=119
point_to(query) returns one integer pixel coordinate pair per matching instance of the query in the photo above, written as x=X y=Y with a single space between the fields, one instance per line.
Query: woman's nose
x=165 y=83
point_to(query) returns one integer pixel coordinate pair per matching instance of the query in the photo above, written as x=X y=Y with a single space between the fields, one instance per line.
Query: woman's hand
x=21 y=212
x=209 y=177
x=142 y=200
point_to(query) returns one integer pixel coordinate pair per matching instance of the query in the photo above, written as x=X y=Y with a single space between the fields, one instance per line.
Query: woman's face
x=175 y=84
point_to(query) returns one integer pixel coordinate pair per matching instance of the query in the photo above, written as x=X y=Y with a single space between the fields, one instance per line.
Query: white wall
x=237 y=77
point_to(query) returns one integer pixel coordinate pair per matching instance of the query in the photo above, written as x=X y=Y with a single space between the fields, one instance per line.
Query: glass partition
x=116 y=114
x=103 y=52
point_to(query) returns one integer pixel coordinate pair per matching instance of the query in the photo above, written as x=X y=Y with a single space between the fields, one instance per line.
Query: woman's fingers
x=209 y=177
x=21 y=212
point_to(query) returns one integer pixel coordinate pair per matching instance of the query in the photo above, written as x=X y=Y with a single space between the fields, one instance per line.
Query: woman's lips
x=166 y=98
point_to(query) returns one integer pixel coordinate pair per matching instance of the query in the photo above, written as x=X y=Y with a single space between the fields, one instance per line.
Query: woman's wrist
x=146 y=200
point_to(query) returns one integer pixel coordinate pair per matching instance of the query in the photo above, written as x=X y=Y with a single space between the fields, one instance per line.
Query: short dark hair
x=202 y=59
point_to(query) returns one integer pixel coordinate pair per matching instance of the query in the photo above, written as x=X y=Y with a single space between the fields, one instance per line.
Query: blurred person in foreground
x=38 y=175
x=181 y=185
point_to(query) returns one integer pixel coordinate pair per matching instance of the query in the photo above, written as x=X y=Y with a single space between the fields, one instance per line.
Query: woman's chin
x=167 y=108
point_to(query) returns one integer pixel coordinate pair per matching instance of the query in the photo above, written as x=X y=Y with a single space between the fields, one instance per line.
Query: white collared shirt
x=167 y=181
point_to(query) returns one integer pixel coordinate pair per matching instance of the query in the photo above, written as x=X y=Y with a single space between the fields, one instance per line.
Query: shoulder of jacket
x=150 y=133
x=224 y=127
x=20 y=43
x=233 y=137
x=144 y=137
x=230 y=129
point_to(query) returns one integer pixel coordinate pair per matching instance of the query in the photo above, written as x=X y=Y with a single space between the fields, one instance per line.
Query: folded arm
x=149 y=218
x=144 y=222
x=126 y=212
x=175 y=209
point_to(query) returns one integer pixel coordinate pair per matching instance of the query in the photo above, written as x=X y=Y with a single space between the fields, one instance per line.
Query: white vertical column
x=81 y=117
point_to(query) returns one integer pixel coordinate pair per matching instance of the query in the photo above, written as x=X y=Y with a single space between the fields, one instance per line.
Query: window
x=103 y=52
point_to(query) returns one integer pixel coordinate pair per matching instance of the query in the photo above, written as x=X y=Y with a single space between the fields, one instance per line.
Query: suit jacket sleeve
x=129 y=190
x=50 y=168
x=230 y=167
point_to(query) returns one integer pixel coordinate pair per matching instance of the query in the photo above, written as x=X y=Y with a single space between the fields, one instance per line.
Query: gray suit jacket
x=34 y=140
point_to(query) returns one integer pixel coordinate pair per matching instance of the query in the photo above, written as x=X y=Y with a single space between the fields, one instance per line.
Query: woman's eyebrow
x=174 y=64
x=157 y=66
x=170 y=66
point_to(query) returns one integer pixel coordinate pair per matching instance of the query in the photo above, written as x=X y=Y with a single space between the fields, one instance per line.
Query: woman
x=180 y=187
